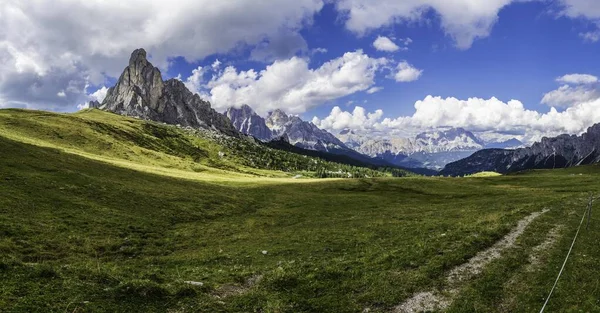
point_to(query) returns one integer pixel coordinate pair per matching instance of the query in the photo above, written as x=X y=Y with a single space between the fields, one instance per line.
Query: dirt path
x=441 y=300
x=551 y=238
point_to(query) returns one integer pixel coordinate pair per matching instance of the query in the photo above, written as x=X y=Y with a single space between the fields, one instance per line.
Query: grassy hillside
x=99 y=221
x=155 y=147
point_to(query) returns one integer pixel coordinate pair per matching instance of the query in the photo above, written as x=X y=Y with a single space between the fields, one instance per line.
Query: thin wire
x=564 y=263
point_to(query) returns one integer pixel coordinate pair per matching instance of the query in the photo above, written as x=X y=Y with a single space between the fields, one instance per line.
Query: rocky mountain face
x=246 y=121
x=140 y=92
x=301 y=133
x=277 y=124
x=94 y=104
x=280 y=127
x=429 y=149
x=557 y=152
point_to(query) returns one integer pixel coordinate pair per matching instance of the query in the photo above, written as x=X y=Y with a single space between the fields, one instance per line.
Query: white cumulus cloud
x=577 y=79
x=405 y=72
x=566 y=96
x=462 y=20
x=577 y=88
x=97 y=95
x=43 y=49
x=195 y=81
x=475 y=114
x=290 y=85
x=358 y=119
x=383 y=43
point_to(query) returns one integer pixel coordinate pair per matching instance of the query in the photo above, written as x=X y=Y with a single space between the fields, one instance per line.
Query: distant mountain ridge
x=298 y=133
x=432 y=149
x=454 y=139
x=140 y=92
x=557 y=152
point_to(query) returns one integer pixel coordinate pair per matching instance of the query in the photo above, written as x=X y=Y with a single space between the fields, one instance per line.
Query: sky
x=500 y=68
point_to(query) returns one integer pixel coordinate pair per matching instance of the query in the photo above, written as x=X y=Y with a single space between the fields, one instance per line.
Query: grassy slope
x=157 y=148
x=485 y=174
x=126 y=142
x=78 y=233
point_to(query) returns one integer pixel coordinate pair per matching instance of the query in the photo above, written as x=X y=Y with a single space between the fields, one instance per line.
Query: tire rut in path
x=441 y=300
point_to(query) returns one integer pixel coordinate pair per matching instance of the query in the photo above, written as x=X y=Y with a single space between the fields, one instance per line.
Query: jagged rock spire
x=141 y=92
x=138 y=56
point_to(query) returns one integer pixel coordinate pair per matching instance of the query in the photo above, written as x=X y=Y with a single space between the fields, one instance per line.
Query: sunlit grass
x=484 y=174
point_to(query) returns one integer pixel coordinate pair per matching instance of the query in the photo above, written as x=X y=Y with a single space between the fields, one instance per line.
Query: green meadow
x=102 y=213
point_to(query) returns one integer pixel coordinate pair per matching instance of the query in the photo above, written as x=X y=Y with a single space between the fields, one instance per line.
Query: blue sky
x=317 y=59
x=526 y=51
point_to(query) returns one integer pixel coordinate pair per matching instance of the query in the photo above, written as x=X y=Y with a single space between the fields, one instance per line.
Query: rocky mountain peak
x=278 y=112
x=94 y=104
x=138 y=56
x=141 y=92
x=247 y=110
x=246 y=121
x=594 y=129
x=277 y=119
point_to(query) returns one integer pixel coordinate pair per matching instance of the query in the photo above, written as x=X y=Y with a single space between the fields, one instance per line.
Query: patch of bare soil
x=235 y=290
x=424 y=302
x=551 y=238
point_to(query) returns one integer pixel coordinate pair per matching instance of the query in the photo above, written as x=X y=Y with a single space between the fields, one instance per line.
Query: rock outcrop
x=94 y=104
x=303 y=134
x=277 y=124
x=246 y=121
x=558 y=152
x=140 y=92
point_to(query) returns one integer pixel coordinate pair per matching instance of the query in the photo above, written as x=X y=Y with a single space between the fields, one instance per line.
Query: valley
x=123 y=215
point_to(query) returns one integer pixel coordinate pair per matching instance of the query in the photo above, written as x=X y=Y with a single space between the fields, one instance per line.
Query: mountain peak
x=460 y=136
x=277 y=119
x=246 y=121
x=278 y=113
x=247 y=109
x=141 y=92
x=137 y=56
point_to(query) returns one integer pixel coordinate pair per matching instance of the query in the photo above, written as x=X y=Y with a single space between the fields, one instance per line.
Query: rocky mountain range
x=277 y=124
x=432 y=149
x=141 y=92
x=557 y=152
